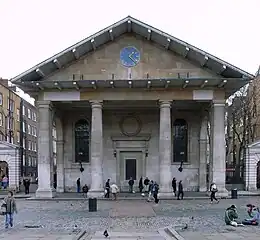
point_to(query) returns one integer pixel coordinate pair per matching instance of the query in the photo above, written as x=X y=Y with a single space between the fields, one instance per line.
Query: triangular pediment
x=116 y=60
x=108 y=37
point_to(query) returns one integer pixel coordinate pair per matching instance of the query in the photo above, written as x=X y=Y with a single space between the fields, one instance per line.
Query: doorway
x=131 y=165
x=130 y=168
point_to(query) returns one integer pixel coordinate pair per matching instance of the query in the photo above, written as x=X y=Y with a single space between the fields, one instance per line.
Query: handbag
x=3 y=209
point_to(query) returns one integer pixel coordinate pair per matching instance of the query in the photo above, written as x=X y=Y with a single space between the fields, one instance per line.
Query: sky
x=34 y=30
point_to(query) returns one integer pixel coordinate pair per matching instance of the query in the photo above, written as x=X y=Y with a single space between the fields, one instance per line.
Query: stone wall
x=149 y=128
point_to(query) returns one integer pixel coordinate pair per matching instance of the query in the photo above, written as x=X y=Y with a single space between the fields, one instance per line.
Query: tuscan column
x=45 y=151
x=203 y=156
x=165 y=147
x=60 y=156
x=96 y=148
x=218 y=164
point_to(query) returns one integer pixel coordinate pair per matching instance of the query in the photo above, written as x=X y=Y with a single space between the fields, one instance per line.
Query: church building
x=131 y=101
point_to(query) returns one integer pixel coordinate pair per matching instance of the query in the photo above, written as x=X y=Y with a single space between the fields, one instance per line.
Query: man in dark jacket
x=180 y=190
x=78 y=185
x=146 y=184
x=26 y=183
x=131 y=184
x=174 y=185
x=107 y=188
x=155 y=192
x=141 y=186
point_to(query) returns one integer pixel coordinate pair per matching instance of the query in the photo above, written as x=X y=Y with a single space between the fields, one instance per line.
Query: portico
x=120 y=121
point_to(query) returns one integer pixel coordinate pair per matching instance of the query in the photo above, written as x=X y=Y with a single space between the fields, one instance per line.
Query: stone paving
x=65 y=218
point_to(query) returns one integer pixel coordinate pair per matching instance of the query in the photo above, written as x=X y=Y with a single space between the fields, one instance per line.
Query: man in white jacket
x=114 y=191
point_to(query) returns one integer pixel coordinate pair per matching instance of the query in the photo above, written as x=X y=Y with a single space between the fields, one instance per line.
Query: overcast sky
x=32 y=31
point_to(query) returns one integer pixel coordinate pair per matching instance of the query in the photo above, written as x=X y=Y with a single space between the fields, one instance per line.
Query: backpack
x=3 y=209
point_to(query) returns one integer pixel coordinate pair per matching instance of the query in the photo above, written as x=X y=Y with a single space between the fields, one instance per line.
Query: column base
x=222 y=193
x=96 y=194
x=59 y=190
x=45 y=193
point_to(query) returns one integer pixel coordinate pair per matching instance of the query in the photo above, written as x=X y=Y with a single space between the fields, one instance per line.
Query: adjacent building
x=18 y=128
x=131 y=101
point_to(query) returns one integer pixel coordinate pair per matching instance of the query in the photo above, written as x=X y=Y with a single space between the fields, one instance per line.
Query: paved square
x=63 y=219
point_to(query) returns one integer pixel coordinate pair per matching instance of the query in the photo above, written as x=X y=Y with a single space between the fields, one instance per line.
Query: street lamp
x=80 y=161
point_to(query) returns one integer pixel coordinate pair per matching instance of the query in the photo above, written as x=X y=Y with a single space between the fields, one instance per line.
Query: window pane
x=82 y=141
x=180 y=140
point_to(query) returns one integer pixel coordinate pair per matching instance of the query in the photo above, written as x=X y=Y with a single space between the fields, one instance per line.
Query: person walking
x=213 y=190
x=107 y=188
x=131 y=185
x=150 y=191
x=141 y=186
x=180 y=190
x=155 y=192
x=78 y=185
x=174 y=185
x=26 y=183
x=114 y=191
x=10 y=205
x=5 y=182
x=85 y=191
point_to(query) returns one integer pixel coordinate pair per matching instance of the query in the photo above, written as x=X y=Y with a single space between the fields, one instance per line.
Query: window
x=24 y=110
x=18 y=136
x=29 y=161
x=35 y=131
x=29 y=129
x=18 y=114
x=1 y=99
x=23 y=160
x=82 y=141
x=24 y=142
x=24 y=128
x=1 y=120
x=10 y=105
x=29 y=145
x=180 y=140
x=34 y=116
x=29 y=113
x=10 y=123
x=12 y=140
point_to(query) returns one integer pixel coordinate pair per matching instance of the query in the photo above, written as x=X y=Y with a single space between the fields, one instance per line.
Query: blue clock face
x=129 y=56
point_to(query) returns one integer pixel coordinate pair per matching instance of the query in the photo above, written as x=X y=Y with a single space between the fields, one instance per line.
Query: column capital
x=44 y=104
x=218 y=103
x=96 y=103
x=165 y=103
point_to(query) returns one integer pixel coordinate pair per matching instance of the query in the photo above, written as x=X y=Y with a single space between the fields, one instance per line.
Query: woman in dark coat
x=141 y=186
x=174 y=185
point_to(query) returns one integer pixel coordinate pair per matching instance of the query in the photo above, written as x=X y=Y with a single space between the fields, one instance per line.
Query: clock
x=129 y=56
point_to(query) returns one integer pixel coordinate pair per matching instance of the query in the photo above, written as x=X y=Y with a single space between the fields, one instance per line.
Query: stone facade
x=9 y=153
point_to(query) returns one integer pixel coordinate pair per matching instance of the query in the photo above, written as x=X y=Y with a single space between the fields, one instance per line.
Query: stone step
x=129 y=236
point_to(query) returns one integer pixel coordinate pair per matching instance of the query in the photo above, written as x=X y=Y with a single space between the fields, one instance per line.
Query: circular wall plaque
x=130 y=125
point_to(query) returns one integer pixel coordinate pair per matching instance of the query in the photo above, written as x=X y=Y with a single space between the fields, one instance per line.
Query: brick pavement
x=63 y=217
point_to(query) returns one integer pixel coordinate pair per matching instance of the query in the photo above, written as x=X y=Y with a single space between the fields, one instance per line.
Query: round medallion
x=130 y=125
x=129 y=56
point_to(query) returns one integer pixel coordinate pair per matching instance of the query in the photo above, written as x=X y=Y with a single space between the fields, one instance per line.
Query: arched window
x=82 y=141
x=180 y=140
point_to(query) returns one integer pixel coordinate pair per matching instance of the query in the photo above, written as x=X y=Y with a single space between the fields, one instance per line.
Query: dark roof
x=129 y=24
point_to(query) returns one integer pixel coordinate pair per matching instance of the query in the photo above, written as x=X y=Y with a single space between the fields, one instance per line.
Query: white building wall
x=150 y=126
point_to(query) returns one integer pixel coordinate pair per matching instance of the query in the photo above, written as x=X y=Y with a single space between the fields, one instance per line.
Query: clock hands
x=130 y=56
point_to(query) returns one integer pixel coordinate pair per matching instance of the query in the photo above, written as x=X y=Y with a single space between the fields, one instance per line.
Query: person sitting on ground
x=250 y=210
x=255 y=219
x=231 y=216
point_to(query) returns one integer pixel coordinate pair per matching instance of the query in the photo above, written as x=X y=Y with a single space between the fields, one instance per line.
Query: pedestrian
x=5 y=182
x=10 y=206
x=78 y=185
x=107 y=188
x=213 y=190
x=141 y=186
x=26 y=183
x=131 y=185
x=114 y=191
x=155 y=192
x=85 y=191
x=180 y=190
x=146 y=184
x=174 y=185
x=150 y=191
